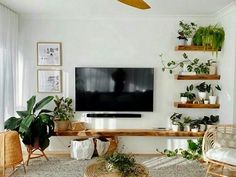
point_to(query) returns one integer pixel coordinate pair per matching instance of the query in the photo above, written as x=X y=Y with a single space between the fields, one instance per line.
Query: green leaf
x=171 y=71
x=30 y=104
x=45 y=111
x=42 y=103
x=12 y=123
x=22 y=114
x=25 y=124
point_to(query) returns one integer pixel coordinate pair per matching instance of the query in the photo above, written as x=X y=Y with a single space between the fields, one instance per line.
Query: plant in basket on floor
x=124 y=165
x=63 y=112
x=35 y=124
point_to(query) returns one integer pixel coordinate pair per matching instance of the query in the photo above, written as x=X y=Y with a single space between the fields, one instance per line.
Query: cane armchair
x=219 y=149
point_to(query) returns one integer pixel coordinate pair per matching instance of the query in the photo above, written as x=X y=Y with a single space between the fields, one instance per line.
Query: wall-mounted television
x=114 y=89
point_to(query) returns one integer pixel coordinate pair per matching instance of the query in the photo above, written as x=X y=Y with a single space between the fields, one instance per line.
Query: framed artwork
x=49 y=81
x=49 y=54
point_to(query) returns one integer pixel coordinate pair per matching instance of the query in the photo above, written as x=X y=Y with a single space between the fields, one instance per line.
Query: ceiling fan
x=140 y=4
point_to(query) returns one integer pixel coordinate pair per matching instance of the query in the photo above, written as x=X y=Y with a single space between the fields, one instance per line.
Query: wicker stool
x=10 y=150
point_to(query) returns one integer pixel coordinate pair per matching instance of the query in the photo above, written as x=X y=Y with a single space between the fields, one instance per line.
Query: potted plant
x=209 y=121
x=188 y=96
x=176 y=122
x=212 y=65
x=187 y=121
x=187 y=65
x=195 y=126
x=63 y=112
x=203 y=88
x=35 y=124
x=123 y=165
x=211 y=36
x=186 y=32
x=213 y=97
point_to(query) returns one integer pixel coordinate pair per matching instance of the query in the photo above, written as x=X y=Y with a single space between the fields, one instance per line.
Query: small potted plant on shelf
x=213 y=97
x=210 y=121
x=176 y=123
x=203 y=88
x=63 y=112
x=187 y=121
x=186 y=32
x=195 y=126
x=188 y=96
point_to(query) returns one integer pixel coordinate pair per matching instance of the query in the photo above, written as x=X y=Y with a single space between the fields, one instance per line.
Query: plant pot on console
x=63 y=112
x=61 y=125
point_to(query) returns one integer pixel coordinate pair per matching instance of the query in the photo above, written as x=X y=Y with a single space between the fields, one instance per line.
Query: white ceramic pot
x=212 y=69
x=206 y=101
x=202 y=95
x=181 y=42
x=212 y=99
x=183 y=100
x=194 y=130
x=189 y=41
x=175 y=128
x=187 y=128
x=202 y=127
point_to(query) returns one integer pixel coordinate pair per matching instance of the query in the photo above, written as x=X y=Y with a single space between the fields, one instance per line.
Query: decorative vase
x=202 y=95
x=183 y=100
x=189 y=41
x=175 y=128
x=212 y=99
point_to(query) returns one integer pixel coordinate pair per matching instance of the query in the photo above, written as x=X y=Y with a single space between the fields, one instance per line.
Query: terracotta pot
x=61 y=125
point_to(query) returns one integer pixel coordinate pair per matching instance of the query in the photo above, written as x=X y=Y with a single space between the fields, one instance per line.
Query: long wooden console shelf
x=128 y=132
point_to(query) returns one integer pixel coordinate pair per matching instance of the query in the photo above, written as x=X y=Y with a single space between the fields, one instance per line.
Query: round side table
x=96 y=170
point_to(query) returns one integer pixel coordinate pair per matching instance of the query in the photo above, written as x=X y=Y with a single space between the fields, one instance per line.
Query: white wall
x=116 y=42
x=227 y=65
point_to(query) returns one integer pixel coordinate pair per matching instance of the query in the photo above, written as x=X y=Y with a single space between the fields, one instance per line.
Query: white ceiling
x=80 y=8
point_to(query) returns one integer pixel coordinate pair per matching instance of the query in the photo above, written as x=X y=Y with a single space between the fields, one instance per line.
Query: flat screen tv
x=114 y=89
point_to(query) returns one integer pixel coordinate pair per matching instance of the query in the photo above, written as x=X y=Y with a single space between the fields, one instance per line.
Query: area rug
x=67 y=167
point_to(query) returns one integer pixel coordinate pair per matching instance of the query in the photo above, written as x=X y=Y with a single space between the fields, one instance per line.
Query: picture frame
x=49 y=54
x=49 y=81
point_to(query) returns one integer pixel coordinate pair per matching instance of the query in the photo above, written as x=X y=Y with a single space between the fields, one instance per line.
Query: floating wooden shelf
x=192 y=48
x=198 y=77
x=200 y=106
x=128 y=132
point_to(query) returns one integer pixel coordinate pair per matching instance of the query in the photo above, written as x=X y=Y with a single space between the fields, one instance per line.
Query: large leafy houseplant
x=35 y=124
x=212 y=36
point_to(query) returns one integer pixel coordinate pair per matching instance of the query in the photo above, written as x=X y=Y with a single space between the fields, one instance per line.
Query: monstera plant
x=35 y=125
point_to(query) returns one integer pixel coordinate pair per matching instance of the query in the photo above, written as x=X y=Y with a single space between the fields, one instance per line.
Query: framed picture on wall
x=49 y=54
x=49 y=81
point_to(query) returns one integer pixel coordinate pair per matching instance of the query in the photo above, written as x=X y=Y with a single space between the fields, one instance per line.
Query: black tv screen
x=114 y=89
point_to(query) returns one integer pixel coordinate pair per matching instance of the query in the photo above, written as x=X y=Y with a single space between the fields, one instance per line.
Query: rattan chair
x=10 y=151
x=219 y=149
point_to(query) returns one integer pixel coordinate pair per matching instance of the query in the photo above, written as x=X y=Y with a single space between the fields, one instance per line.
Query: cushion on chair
x=227 y=140
x=225 y=155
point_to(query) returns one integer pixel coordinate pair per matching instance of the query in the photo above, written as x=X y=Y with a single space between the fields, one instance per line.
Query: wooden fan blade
x=140 y=4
